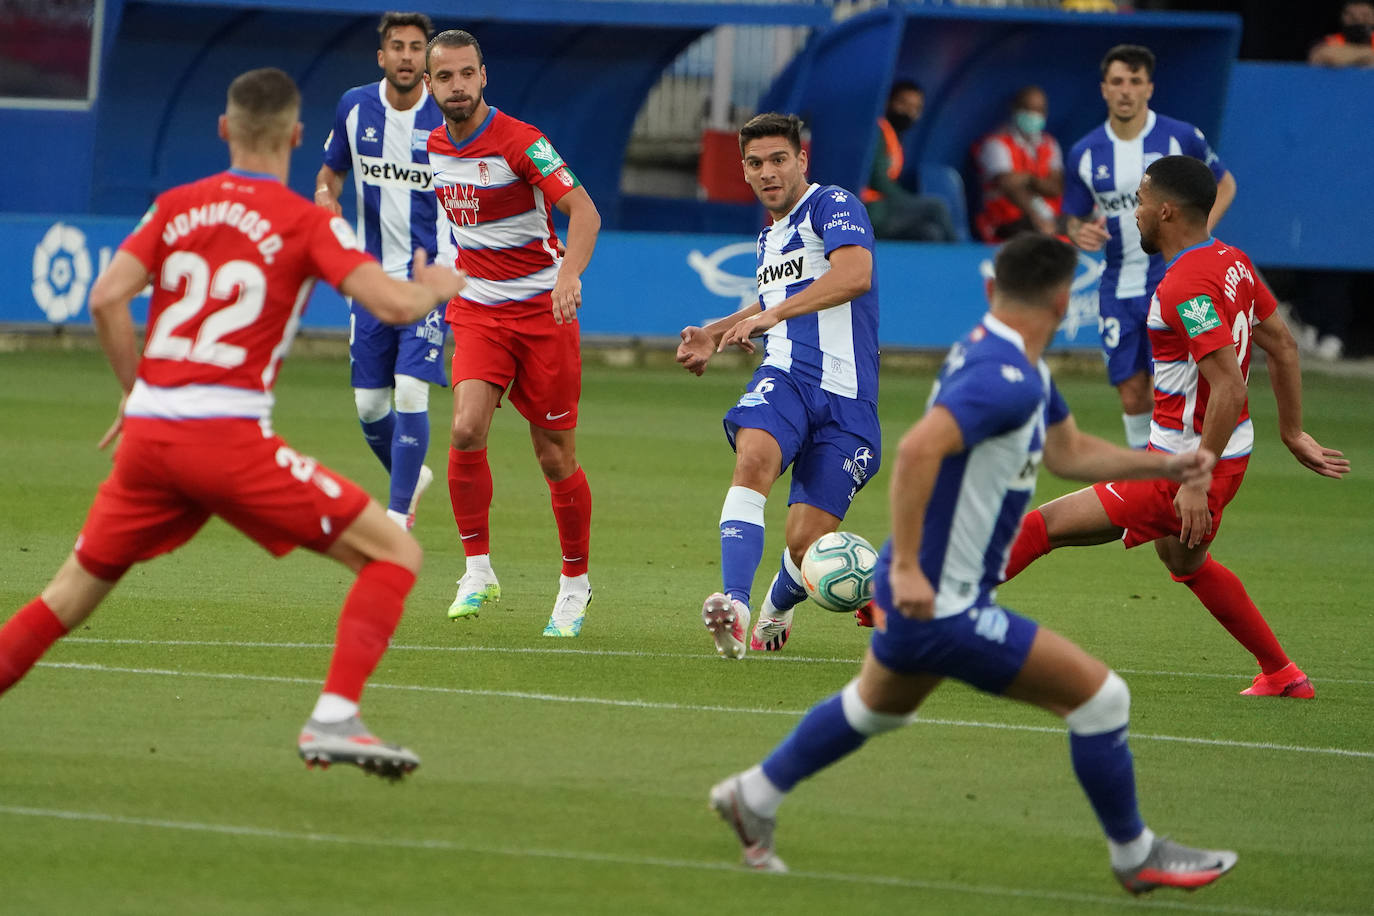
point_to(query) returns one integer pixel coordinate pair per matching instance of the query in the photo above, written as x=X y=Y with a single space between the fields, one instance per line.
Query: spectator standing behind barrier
x=379 y=134
x=1353 y=45
x=1101 y=179
x=1021 y=170
x=896 y=212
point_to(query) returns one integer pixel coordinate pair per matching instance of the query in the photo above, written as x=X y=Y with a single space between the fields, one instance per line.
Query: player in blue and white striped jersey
x=812 y=404
x=380 y=131
x=1101 y=177
x=963 y=475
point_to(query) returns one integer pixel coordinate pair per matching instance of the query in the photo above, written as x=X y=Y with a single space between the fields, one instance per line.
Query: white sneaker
x=569 y=610
x=771 y=632
x=728 y=621
x=754 y=832
x=349 y=741
x=421 y=485
x=476 y=589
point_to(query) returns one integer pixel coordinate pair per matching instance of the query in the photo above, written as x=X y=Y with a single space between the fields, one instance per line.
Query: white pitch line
x=449 y=846
x=686 y=707
x=614 y=653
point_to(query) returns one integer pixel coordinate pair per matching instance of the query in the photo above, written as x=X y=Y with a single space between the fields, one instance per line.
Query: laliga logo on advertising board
x=62 y=272
x=1082 y=293
x=743 y=287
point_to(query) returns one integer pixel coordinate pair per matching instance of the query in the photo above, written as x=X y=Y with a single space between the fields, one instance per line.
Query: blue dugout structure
x=581 y=69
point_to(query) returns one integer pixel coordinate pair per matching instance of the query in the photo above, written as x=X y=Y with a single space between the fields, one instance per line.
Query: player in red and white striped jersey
x=515 y=324
x=232 y=259
x=1205 y=316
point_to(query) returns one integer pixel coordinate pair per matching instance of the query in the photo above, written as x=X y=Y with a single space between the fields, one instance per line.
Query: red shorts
x=1145 y=508
x=538 y=358
x=170 y=477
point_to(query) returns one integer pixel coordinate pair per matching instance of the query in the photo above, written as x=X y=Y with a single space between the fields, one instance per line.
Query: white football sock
x=1132 y=854
x=331 y=707
x=759 y=793
x=1137 y=429
x=480 y=563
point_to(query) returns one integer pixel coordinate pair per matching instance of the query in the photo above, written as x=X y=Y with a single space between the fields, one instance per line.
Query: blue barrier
x=640 y=284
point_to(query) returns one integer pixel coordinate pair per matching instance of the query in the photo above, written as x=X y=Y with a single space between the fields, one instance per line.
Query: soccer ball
x=837 y=571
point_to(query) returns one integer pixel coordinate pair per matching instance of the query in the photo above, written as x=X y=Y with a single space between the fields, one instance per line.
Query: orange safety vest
x=1339 y=39
x=895 y=159
x=998 y=210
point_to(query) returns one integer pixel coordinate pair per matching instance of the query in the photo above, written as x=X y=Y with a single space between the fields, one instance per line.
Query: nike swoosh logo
x=556 y=416
x=1111 y=488
x=571 y=559
x=464 y=537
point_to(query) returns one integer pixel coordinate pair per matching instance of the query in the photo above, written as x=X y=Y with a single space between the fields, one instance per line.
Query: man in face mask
x=899 y=212
x=1353 y=45
x=1021 y=170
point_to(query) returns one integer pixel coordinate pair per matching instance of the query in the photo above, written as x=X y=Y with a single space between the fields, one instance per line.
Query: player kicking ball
x=965 y=468
x=813 y=403
x=231 y=258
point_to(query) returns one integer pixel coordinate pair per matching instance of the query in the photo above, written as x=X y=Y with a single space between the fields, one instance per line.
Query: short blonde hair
x=262 y=107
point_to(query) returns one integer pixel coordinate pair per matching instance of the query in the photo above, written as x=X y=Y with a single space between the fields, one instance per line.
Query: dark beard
x=464 y=115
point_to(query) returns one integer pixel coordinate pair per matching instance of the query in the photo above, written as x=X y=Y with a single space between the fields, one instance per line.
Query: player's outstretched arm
x=698 y=344
x=1285 y=377
x=1075 y=455
x=850 y=275
x=399 y=301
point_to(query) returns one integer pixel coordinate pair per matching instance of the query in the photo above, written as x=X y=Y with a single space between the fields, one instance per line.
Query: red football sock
x=24 y=638
x=1222 y=593
x=572 y=511
x=469 y=489
x=370 y=614
x=1032 y=542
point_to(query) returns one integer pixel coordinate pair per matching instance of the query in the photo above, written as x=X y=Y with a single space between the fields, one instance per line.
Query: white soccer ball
x=837 y=571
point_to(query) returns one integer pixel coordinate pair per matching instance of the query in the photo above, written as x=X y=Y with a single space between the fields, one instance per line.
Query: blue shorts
x=985 y=646
x=833 y=443
x=1125 y=342
x=379 y=352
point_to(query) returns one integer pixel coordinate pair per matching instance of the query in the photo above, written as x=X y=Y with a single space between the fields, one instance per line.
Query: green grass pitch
x=148 y=765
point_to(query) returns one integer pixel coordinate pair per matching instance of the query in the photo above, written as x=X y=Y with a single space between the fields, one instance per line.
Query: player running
x=232 y=259
x=379 y=134
x=1101 y=176
x=813 y=403
x=1208 y=313
x=962 y=472
x=516 y=322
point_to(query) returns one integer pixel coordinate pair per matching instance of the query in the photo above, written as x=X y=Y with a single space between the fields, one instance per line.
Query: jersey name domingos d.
x=1002 y=405
x=835 y=348
x=1102 y=177
x=497 y=187
x=1210 y=298
x=234 y=258
x=384 y=147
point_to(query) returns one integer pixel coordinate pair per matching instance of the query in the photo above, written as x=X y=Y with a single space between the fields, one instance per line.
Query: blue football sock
x=741 y=541
x=408 y=449
x=822 y=737
x=378 y=434
x=1104 y=769
x=787 y=591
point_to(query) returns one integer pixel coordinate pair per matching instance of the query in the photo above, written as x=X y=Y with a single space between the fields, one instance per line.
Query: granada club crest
x=483 y=174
